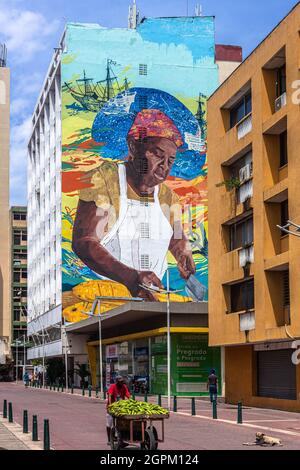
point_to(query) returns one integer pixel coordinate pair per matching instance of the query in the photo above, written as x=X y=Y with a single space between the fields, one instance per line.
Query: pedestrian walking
x=212 y=385
x=26 y=379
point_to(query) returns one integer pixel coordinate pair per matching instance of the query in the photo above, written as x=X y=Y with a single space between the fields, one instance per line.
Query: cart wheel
x=115 y=439
x=151 y=442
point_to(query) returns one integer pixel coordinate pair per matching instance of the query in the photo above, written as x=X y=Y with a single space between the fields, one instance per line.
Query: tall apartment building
x=5 y=314
x=254 y=270
x=18 y=224
x=98 y=82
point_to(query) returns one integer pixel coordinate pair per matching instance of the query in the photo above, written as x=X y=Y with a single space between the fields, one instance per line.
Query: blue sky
x=32 y=28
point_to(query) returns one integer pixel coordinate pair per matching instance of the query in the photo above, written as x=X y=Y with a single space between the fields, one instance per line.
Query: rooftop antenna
x=3 y=55
x=133 y=16
x=198 y=10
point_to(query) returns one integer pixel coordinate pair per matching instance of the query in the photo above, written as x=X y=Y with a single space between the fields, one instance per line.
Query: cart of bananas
x=132 y=407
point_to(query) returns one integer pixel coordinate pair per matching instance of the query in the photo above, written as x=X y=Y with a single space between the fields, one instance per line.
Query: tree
x=82 y=371
x=55 y=370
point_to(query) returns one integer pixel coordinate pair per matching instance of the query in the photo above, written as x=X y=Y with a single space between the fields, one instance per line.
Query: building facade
x=18 y=224
x=5 y=313
x=108 y=93
x=253 y=123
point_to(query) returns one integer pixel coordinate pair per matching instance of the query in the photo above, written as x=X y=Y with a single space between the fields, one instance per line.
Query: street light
x=97 y=302
x=168 y=292
x=290 y=228
x=17 y=343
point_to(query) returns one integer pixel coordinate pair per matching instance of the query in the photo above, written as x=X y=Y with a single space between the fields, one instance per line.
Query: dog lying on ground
x=265 y=441
x=262 y=439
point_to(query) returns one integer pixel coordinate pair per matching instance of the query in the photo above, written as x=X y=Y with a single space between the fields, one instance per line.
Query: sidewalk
x=78 y=422
x=13 y=438
x=8 y=441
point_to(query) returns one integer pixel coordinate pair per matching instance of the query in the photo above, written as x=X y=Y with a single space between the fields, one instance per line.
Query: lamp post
x=167 y=292
x=43 y=374
x=168 y=340
x=97 y=302
x=17 y=360
x=66 y=359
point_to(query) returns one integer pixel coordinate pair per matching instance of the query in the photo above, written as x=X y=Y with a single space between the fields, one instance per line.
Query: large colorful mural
x=134 y=169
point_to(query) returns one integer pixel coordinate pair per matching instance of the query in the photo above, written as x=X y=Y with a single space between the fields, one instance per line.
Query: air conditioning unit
x=280 y=102
x=245 y=173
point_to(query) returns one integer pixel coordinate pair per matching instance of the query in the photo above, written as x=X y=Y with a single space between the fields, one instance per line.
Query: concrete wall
x=240 y=379
x=5 y=314
x=270 y=252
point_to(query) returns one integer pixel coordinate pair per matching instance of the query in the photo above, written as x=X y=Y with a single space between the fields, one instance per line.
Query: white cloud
x=20 y=133
x=19 y=105
x=24 y=32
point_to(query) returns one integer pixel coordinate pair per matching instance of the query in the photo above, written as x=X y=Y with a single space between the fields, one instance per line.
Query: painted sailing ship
x=198 y=141
x=93 y=96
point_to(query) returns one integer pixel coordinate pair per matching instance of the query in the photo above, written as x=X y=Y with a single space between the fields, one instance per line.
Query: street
x=78 y=423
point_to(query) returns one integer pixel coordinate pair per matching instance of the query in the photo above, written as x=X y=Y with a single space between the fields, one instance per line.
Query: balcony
x=244 y=191
x=280 y=102
x=247 y=321
x=246 y=255
x=244 y=126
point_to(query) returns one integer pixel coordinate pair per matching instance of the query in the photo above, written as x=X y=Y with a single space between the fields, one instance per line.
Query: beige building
x=5 y=314
x=254 y=267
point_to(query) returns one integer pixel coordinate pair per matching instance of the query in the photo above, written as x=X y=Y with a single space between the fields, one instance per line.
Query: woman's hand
x=147 y=278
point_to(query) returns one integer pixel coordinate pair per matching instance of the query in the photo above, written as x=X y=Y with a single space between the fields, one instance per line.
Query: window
x=145 y=262
x=241 y=234
x=19 y=235
x=242 y=109
x=242 y=296
x=19 y=292
x=143 y=101
x=19 y=216
x=281 y=81
x=286 y=289
x=284 y=207
x=19 y=255
x=143 y=69
x=145 y=230
x=19 y=274
x=283 y=149
x=20 y=313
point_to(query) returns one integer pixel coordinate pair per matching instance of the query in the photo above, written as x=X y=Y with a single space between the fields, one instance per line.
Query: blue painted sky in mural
x=111 y=126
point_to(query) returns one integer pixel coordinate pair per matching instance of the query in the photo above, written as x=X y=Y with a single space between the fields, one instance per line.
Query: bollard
x=72 y=388
x=193 y=407
x=10 y=413
x=34 y=428
x=175 y=404
x=90 y=391
x=104 y=394
x=146 y=398
x=83 y=391
x=215 y=413
x=5 y=409
x=62 y=387
x=97 y=392
x=25 y=421
x=240 y=413
x=159 y=400
x=46 y=435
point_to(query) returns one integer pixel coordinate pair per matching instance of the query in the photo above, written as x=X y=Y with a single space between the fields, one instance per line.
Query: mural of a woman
x=128 y=218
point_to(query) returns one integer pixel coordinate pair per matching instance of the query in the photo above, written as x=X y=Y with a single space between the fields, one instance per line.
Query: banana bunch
x=133 y=407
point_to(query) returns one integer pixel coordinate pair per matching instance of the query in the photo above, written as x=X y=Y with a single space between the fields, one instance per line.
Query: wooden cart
x=137 y=430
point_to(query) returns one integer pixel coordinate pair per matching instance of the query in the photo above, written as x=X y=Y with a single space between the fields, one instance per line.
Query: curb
x=244 y=425
x=17 y=431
